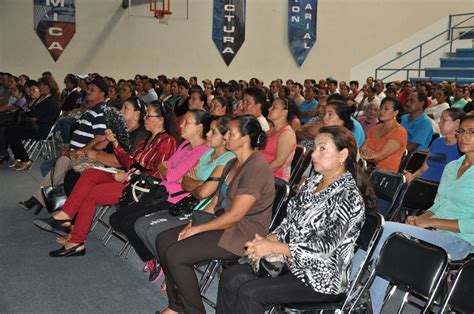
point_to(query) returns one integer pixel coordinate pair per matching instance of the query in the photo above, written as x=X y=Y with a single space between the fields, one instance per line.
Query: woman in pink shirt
x=281 y=141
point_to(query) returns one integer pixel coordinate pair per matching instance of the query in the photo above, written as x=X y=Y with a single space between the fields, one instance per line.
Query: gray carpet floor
x=99 y=282
x=33 y=282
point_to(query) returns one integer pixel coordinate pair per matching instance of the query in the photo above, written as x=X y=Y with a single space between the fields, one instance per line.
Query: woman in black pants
x=317 y=237
x=37 y=124
x=245 y=197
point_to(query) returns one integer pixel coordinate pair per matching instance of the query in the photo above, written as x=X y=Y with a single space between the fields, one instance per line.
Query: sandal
x=54 y=225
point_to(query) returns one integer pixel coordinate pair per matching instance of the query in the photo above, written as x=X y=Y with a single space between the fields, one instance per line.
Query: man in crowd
x=417 y=123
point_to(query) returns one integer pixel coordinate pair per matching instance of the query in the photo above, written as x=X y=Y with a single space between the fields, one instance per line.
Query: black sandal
x=73 y=251
x=54 y=225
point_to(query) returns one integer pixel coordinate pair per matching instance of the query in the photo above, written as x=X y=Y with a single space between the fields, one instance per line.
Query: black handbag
x=272 y=265
x=54 y=195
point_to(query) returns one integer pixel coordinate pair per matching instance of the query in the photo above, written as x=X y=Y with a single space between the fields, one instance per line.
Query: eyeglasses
x=462 y=131
x=147 y=116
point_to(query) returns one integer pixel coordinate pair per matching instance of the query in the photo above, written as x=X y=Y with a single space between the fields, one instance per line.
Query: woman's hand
x=258 y=248
x=408 y=176
x=110 y=136
x=120 y=176
x=410 y=220
x=188 y=231
x=423 y=222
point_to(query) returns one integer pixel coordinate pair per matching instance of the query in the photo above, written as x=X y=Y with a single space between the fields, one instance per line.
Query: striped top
x=91 y=124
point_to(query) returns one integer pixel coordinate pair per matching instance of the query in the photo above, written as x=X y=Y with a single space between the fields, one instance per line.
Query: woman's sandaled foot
x=24 y=165
x=70 y=249
x=55 y=225
x=63 y=240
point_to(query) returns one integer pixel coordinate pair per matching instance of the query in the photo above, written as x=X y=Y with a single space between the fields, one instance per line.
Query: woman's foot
x=24 y=165
x=169 y=311
x=69 y=249
x=156 y=271
x=15 y=163
x=59 y=224
x=163 y=287
x=31 y=203
x=63 y=240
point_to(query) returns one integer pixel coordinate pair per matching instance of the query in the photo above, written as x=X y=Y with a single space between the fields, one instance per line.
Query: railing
x=420 y=47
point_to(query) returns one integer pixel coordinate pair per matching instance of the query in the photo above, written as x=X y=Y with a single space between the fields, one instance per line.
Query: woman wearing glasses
x=97 y=187
x=451 y=218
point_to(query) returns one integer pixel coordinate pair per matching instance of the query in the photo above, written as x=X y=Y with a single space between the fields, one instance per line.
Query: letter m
x=55 y=3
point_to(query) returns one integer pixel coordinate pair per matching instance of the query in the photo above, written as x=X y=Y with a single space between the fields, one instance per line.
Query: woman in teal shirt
x=451 y=216
x=211 y=164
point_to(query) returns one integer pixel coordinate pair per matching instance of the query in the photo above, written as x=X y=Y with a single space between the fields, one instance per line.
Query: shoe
x=156 y=272
x=24 y=165
x=74 y=251
x=14 y=164
x=30 y=203
x=53 y=225
x=148 y=265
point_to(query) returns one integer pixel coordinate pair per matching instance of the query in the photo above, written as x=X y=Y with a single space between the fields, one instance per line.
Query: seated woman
x=211 y=165
x=306 y=134
x=317 y=237
x=443 y=150
x=197 y=100
x=245 y=198
x=97 y=187
x=40 y=120
x=369 y=119
x=386 y=142
x=451 y=217
x=194 y=127
x=339 y=113
x=441 y=104
x=281 y=140
x=220 y=106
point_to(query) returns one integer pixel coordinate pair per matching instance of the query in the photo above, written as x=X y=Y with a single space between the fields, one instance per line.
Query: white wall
x=120 y=42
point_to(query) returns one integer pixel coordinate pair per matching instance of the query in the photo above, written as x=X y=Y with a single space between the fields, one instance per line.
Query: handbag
x=272 y=265
x=54 y=195
x=187 y=204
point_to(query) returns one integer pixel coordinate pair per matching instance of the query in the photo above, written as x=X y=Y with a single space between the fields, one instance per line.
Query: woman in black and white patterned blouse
x=318 y=236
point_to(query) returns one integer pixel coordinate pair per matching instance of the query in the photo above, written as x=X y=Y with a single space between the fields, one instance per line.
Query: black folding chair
x=413 y=266
x=387 y=186
x=366 y=241
x=459 y=298
x=297 y=158
x=419 y=196
x=295 y=179
x=414 y=161
x=282 y=190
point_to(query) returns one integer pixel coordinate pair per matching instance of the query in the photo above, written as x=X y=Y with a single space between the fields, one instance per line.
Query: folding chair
x=295 y=179
x=297 y=159
x=419 y=196
x=413 y=266
x=414 y=161
x=387 y=186
x=366 y=241
x=459 y=298
x=278 y=211
x=45 y=148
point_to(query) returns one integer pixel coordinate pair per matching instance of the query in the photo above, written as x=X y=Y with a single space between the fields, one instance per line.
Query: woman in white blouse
x=442 y=103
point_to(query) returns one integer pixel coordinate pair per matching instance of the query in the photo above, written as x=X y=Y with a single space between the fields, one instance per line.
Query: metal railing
x=450 y=39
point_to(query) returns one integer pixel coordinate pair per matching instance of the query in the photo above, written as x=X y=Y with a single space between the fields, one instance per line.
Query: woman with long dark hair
x=244 y=206
x=317 y=237
x=97 y=187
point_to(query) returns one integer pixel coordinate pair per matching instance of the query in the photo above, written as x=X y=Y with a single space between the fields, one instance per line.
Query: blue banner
x=55 y=24
x=228 y=27
x=302 y=27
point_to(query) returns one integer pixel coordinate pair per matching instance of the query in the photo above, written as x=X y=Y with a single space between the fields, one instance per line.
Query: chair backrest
x=412 y=265
x=459 y=298
x=298 y=157
x=387 y=186
x=415 y=160
x=282 y=190
x=299 y=172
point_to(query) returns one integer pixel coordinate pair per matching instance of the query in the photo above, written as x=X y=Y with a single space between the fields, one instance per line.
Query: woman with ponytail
x=317 y=237
x=243 y=208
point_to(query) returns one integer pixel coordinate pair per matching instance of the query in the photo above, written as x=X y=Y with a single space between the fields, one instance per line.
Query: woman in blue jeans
x=451 y=217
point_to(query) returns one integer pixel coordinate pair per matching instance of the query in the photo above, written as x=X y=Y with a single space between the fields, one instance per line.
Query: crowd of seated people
x=223 y=144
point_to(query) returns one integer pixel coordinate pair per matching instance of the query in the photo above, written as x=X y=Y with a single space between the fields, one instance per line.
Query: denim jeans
x=64 y=125
x=454 y=246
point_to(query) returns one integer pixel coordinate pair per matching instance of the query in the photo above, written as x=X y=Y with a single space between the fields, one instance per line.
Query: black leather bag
x=272 y=265
x=54 y=195
x=143 y=189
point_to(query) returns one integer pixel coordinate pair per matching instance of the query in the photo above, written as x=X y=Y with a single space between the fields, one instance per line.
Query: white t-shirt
x=436 y=110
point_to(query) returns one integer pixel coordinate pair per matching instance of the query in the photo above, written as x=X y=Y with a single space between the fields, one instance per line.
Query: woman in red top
x=281 y=141
x=97 y=187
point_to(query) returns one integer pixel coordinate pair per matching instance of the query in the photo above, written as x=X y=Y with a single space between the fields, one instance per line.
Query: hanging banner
x=302 y=27
x=55 y=24
x=228 y=27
